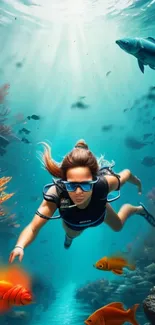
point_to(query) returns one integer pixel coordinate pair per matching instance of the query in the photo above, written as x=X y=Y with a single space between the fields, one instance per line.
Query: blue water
x=52 y=52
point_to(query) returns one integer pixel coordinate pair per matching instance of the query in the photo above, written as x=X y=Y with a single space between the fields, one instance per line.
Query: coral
x=149 y=306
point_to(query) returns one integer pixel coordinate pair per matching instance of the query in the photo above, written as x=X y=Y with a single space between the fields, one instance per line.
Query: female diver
x=80 y=193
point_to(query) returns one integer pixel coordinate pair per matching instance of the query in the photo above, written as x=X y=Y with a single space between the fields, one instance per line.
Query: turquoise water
x=53 y=52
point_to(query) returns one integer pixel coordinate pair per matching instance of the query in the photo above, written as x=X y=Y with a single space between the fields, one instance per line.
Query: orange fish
x=15 y=288
x=114 y=264
x=113 y=314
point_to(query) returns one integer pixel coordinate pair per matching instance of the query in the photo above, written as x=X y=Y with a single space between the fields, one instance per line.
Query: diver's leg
x=116 y=220
x=70 y=235
x=125 y=176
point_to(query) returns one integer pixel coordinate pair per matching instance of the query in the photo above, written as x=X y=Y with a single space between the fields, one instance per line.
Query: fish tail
x=132 y=267
x=29 y=117
x=132 y=315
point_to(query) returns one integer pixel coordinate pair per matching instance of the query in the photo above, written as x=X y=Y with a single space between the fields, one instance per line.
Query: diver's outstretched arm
x=125 y=176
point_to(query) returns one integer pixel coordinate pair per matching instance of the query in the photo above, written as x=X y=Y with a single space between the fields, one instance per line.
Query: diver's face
x=79 y=174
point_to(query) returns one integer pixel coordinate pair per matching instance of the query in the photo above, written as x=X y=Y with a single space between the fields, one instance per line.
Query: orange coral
x=3 y=195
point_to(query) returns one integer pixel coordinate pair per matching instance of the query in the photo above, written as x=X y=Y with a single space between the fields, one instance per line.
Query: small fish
x=82 y=97
x=107 y=127
x=114 y=264
x=19 y=64
x=133 y=143
x=80 y=105
x=26 y=131
x=113 y=314
x=33 y=117
x=25 y=140
x=108 y=73
x=148 y=161
x=15 y=288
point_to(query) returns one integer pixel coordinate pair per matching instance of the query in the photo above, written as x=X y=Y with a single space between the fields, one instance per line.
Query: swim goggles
x=85 y=186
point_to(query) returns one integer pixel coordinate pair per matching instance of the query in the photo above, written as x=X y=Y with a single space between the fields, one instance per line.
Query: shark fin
x=152 y=67
x=141 y=66
x=151 y=39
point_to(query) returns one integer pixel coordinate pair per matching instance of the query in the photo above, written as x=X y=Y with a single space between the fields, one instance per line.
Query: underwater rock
x=150 y=268
x=149 y=306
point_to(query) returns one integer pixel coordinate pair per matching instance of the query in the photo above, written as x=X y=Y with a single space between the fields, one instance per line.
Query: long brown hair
x=80 y=156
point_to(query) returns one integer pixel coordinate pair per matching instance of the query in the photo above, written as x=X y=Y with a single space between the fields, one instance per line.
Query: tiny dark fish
x=107 y=127
x=151 y=96
x=3 y=141
x=33 y=117
x=147 y=135
x=125 y=110
x=43 y=241
x=152 y=89
x=25 y=140
x=26 y=131
x=133 y=143
x=82 y=97
x=108 y=73
x=148 y=161
x=19 y=64
x=80 y=105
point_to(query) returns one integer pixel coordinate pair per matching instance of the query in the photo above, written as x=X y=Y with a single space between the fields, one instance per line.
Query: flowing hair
x=80 y=156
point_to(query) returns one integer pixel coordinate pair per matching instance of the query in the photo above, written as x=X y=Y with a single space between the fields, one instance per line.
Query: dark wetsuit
x=79 y=219
x=75 y=218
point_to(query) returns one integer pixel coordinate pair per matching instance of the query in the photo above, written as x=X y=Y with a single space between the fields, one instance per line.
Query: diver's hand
x=139 y=186
x=17 y=252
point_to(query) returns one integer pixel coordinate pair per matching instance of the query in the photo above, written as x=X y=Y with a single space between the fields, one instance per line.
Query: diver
x=80 y=192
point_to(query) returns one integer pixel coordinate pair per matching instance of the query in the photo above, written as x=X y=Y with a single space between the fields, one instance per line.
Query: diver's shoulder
x=101 y=186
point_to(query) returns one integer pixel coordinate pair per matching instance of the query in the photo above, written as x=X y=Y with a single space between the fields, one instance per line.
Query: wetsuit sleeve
x=51 y=194
x=109 y=172
x=104 y=186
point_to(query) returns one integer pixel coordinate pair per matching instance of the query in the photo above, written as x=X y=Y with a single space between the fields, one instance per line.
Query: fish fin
x=152 y=67
x=132 y=315
x=4 y=306
x=141 y=66
x=118 y=305
x=118 y=272
x=132 y=267
x=151 y=39
x=16 y=275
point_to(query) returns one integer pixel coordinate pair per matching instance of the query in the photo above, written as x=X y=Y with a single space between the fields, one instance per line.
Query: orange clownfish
x=15 y=288
x=113 y=314
x=114 y=264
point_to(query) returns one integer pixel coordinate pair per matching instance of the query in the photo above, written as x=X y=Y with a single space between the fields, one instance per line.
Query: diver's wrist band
x=17 y=246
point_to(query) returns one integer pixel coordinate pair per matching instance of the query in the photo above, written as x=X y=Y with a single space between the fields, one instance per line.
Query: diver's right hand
x=17 y=252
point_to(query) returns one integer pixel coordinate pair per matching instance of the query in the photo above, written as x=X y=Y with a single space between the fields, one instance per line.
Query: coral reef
x=131 y=288
x=6 y=133
x=149 y=306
